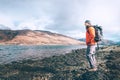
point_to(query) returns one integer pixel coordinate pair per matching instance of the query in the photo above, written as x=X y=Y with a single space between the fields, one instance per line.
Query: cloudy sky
x=62 y=16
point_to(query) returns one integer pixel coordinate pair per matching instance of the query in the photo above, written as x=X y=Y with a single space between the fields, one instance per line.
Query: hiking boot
x=93 y=69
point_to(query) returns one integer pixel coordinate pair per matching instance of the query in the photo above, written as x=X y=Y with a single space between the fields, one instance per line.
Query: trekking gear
x=98 y=34
x=90 y=35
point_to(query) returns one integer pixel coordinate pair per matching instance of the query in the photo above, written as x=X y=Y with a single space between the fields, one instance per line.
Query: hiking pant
x=90 y=53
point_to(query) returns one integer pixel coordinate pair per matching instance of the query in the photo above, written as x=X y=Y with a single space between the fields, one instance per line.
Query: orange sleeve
x=92 y=34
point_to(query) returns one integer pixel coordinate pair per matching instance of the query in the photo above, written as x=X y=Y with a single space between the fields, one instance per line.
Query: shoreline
x=71 y=66
x=20 y=52
x=42 y=44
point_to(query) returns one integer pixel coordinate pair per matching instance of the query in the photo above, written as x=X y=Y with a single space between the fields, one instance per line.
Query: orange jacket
x=90 y=35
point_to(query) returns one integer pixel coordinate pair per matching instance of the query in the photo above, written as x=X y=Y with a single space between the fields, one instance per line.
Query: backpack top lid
x=98 y=33
x=99 y=28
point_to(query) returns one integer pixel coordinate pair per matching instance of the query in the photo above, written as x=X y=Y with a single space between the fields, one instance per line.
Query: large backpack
x=98 y=33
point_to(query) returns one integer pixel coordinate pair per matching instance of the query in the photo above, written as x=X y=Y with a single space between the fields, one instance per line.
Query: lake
x=9 y=53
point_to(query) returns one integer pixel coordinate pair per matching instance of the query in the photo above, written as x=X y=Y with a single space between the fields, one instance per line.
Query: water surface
x=9 y=53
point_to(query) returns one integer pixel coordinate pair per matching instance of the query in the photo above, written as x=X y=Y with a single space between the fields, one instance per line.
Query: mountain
x=118 y=43
x=35 y=37
x=103 y=42
x=82 y=39
x=107 y=42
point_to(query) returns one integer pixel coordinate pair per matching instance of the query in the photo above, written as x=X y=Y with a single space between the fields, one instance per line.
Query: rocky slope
x=36 y=37
x=72 y=66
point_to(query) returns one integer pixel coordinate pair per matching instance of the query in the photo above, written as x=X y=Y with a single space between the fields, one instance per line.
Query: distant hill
x=107 y=42
x=35 y=37
x=118 y=43
x=103 y=42
x=82 y=39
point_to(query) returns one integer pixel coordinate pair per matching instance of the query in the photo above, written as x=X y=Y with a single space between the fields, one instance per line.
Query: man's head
x=87 y=23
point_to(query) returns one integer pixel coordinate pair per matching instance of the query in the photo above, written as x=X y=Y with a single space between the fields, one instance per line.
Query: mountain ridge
x=35 y=37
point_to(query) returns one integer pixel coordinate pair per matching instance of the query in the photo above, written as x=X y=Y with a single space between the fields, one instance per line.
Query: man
x=90 y=42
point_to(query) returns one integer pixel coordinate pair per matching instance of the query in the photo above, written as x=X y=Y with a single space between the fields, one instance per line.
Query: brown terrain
x=35 y=37
x=71 y=66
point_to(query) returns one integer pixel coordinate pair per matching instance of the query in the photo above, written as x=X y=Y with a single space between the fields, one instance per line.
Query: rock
x=71 y=66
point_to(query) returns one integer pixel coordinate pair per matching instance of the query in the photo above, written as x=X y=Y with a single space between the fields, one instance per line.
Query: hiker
x=91 y=45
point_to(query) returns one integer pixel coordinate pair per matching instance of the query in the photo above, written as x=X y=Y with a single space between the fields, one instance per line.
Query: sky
x=62 y=16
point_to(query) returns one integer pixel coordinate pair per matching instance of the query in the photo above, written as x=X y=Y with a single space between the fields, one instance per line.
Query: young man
x=90 y=42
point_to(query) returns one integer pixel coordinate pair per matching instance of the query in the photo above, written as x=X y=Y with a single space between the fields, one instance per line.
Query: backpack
x=98 y=33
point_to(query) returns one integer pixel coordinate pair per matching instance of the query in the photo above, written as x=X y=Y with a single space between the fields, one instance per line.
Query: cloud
x=62 y=16
x=6 y=20
x=36 y=24
x=76 y=33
